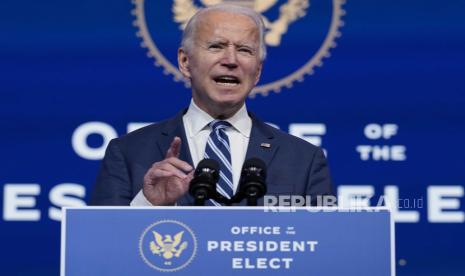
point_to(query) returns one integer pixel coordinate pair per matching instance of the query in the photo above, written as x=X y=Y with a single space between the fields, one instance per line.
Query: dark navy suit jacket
x=294 y=166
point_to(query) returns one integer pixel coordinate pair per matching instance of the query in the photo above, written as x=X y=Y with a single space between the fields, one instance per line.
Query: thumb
x=187 y=180
x=175 y=148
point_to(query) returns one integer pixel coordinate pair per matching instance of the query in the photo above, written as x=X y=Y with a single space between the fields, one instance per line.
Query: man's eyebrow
x=217 y=40
x=224 y=42
x=253 y=47
x=245 y=44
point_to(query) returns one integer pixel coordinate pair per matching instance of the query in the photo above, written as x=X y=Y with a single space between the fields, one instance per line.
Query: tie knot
x=217 y=125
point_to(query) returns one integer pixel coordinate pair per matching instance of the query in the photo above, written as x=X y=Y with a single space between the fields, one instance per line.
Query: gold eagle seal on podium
x=168 y=245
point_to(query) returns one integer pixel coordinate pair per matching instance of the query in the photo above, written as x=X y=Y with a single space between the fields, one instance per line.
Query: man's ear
x=259 y=73
x=183 y=63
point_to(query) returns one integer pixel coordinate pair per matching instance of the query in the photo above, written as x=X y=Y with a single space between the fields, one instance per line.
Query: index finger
x=175 y=148
x=179 y=164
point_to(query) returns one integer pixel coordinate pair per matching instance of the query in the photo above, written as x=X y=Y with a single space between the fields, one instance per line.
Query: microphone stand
x=199 y=200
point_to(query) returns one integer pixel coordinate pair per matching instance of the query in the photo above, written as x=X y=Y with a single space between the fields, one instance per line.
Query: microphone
x=203 y=185
x=252 y=182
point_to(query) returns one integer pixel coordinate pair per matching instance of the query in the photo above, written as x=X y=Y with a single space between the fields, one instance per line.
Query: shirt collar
x=197 y=120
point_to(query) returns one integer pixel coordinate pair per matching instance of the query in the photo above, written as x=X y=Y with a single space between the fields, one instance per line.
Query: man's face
x=224 y=64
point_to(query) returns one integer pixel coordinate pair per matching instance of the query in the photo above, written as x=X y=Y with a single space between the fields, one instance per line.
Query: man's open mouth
x=227 y=80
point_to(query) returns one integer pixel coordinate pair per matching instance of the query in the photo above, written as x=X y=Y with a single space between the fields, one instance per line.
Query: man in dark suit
x=222 y=53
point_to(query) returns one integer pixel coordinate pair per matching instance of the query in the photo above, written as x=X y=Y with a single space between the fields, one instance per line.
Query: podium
x=226 y=241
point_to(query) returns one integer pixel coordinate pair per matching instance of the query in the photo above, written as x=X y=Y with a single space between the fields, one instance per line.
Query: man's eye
x=245 y=50
x=214 y=46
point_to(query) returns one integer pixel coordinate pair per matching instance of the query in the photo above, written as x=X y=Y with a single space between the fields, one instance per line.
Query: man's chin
x=225 y=93
x=227 y=96
x=228 y=107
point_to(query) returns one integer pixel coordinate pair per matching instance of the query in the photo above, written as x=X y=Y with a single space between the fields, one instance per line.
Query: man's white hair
x=187 y=43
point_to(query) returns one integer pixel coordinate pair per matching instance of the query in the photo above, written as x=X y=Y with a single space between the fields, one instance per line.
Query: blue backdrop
x=378 y=84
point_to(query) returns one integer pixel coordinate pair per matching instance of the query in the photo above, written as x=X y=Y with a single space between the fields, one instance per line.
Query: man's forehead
x=214 y=24
x=214 y=18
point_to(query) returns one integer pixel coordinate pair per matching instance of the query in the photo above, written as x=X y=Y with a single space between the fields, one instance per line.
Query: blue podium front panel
x=226 y=241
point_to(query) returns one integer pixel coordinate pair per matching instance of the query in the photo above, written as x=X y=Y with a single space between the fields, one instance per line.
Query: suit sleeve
x=319 y=179
x=113 y=185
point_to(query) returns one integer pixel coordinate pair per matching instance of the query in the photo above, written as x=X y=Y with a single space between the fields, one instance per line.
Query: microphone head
x=254 y=165
x=207 y=166
x=253 y=179
x=203 y=185
x=209 y=163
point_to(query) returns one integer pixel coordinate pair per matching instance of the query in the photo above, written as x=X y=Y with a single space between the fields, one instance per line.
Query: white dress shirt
x=197 y=131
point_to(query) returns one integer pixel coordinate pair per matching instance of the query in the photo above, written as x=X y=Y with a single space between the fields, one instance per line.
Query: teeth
x=230 y=84
x=227 y=79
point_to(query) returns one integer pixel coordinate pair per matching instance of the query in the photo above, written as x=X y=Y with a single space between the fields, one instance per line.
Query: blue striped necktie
x=218 y=149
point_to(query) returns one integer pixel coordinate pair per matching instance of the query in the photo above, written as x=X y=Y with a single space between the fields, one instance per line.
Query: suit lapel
x=262 y=144
x=173 y=128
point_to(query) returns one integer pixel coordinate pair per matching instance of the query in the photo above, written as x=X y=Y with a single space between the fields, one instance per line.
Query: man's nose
x=230 y=58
